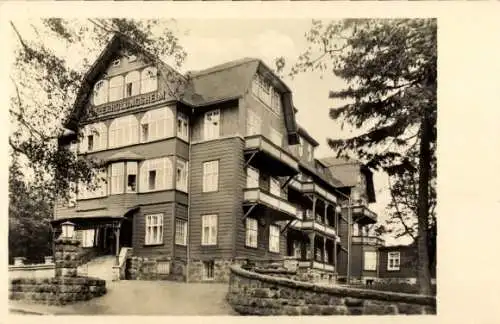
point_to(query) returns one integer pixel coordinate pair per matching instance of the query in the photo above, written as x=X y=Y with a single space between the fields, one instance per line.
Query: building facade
x=200 y=171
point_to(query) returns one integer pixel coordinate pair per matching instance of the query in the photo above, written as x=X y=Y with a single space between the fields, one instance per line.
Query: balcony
x=285 y=210
x=311 y=187
x=370 y=240
x=127 y=103
x=266 y=155
x=362 y=215
x=317 y=265
x=313 y=225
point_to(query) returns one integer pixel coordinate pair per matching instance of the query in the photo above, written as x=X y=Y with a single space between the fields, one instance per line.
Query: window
x=309 y=151
x=182 y=127
x=208 y=270
x=100 y=95
x=116 y=88
x=117 y=173
x=370 y=261
x=94 y=138
x=355 y=229
x=180 y=232
x=274 y=238
x=212 y=124
x=131 y=176
x=98 y=188
x=149 y=80
x=210 y=176
x=90 y=140
x=163 y=267
x=181 y=175
x=253 y=123
x=88 y=237
x=123 y=131
x=154 y=229
x=132 y=58
x=274 y=187
x=252 y=178
x=251 y=232
x=116 y=63
x=156 y=174
x=275 y=136
x=393 y=261
x=157 y=124
x=209 y=230
x=263 y=89
x=132 y=84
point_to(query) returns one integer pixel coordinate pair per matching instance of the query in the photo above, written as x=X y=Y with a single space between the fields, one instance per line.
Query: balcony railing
x=261 y=143
x=128 y=103
x=363 y=211
x=312 y=187
x=258 y=196
x=314 y=225
x=368 y=240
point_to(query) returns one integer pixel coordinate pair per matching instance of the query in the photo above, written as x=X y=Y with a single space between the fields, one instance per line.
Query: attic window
x=116 y=63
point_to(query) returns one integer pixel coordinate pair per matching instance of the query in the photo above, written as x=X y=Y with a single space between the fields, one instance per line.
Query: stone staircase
x=99 y=267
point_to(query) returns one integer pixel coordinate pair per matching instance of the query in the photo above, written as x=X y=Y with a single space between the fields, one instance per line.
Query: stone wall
x=252 y=293
x=56 y=291
x=32 y=271
x=222 y=269
x=142 y=268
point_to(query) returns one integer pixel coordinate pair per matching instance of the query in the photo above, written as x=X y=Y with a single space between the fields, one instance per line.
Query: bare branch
x=399 y=216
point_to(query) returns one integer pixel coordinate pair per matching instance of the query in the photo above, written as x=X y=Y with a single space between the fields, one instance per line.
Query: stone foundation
x=252 y=293
x=142 y=268
x=56 y=291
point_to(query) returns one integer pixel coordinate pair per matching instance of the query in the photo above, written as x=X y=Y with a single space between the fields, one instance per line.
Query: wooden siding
x=139 y=231
x=408 y=262
x=229 y=123
x=262 y=250
x=226 y=202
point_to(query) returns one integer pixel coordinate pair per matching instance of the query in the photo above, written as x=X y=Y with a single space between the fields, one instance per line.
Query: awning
x=124 y=156
x=103 y=215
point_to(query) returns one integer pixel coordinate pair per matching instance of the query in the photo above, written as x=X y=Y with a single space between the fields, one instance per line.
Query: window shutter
x=143 y=177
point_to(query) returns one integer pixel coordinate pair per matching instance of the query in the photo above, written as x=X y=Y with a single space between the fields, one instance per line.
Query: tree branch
x=399 y=216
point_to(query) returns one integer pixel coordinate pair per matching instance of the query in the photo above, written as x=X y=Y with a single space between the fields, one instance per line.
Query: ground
x=144 y=298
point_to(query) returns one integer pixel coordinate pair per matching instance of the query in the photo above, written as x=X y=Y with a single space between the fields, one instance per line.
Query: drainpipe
x=349 y=240
x=188 y=238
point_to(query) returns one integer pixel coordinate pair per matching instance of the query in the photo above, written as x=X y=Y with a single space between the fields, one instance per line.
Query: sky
x=211 y=42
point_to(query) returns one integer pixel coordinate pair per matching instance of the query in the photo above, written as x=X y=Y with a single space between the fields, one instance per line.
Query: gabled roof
x=217 y=84
x=116 y=43
x=231 y=81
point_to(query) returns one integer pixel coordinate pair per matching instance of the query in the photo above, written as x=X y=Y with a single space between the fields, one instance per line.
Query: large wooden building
x=202 y=170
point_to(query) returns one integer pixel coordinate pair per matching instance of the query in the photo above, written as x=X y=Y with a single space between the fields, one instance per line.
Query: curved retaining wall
x=252 y=293
x=56 y=291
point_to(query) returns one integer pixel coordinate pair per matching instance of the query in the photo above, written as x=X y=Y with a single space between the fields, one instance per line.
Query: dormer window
x=116 y=63
x=264 y=90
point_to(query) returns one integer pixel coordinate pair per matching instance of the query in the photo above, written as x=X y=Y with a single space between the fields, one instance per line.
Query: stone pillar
x=66 y=257
x=335 y=254
x=314 y=209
